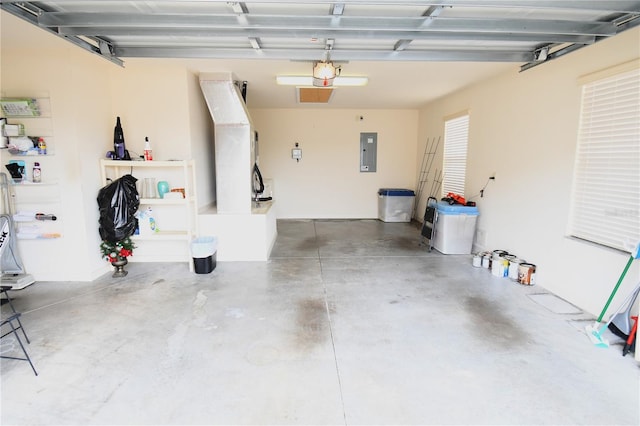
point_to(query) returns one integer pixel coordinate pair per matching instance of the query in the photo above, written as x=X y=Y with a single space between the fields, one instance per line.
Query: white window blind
x=606 y=187
x=456 y=135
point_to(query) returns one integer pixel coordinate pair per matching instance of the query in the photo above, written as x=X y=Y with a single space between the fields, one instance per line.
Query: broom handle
x=613 y=293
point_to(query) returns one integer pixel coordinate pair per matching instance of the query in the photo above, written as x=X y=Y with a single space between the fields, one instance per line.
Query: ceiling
x=412 y=51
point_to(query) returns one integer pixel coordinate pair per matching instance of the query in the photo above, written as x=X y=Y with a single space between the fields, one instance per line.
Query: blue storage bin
x=395 y=204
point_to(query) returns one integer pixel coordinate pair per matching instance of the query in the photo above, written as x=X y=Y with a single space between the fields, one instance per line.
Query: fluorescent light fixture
x=298 y=80
x=350 y=81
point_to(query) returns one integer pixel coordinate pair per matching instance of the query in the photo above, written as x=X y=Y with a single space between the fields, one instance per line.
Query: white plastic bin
x=395 y=204
x=455 y=228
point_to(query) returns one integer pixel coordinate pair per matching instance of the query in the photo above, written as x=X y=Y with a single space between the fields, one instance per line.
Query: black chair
x=14 y=330
x=5 y=289
x=14 y=324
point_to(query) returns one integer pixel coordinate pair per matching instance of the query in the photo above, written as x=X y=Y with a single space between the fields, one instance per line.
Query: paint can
x=486 y=261
x=508 y=258
x=498 y=263
x=527 y=274
x=500 y=267
x=514 y=264
x=505 y=268
x=477 y=261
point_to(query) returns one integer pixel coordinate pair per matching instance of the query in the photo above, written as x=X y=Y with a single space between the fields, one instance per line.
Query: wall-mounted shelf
x=25 y=154
x=38 y=236
x=20 y=107
x=162 y=201
x=28 y=183
x=35 y=118
x=34 y=115
x=162 y=235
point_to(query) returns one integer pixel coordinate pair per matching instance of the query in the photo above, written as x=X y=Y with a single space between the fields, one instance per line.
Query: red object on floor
x=632 y=336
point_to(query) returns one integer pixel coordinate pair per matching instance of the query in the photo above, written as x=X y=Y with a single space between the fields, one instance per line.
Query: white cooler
x=454 y=228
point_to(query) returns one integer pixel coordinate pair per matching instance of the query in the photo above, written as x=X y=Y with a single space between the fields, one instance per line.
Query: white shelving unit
x=33 y=197
x=176 y=218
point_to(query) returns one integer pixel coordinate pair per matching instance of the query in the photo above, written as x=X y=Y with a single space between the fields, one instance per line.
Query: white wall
x=327 y=182
x=151 y=98
x=80 y=102
x=523 y=126
x=159 y=99
x=202 y=141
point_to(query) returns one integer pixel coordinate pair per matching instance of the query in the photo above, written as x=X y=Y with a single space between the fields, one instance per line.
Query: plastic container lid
x=396 y=192
x=446 y=208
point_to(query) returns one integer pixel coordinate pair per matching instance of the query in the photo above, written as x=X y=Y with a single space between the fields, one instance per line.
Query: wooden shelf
x=141 y=163
x=163 y=201
x=164 y=236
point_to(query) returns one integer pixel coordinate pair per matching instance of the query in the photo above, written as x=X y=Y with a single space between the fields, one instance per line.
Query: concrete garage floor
x=350 y=322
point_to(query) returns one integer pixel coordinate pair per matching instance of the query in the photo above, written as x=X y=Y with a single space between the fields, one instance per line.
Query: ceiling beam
x=518 y=36
x=378 y=26
x=325 y=34
x=431 y=12
x=29 y=13
x=452 y=55
x=616 y=6
x=626 y=22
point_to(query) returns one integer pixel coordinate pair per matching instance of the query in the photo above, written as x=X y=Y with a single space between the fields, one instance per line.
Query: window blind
x=456 y=135
x=606 y=187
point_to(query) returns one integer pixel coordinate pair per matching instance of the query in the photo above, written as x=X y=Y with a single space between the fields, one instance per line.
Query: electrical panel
x=368 y=152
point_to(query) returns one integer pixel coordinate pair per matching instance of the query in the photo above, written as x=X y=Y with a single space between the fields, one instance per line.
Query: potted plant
x=117 y=253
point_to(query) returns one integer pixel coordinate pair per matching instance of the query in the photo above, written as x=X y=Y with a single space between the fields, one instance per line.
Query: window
x=606 y=189
x=456 y=135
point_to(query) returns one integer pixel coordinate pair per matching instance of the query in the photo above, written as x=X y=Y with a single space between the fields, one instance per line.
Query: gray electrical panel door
x=368 y=151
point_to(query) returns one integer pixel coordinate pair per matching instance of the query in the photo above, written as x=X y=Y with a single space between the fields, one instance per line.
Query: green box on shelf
x=19 y=107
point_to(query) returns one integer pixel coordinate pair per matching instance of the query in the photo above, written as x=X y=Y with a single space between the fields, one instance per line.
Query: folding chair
x=14 y=331
x=13 y=322
x=5 y=289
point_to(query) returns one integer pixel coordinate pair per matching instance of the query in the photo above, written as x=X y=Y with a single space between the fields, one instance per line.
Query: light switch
x=296 y=154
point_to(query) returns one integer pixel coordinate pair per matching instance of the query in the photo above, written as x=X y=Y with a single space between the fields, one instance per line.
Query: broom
x=595 y=331
x=620 y=323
